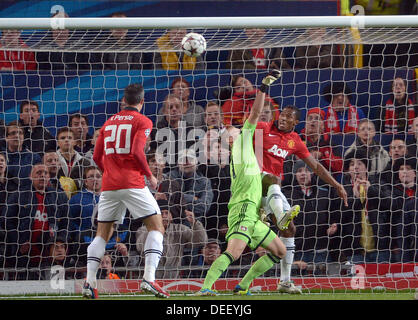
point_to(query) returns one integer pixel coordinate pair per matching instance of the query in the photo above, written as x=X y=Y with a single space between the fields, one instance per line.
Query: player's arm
x=98 y=152
x=323 y=173
x=258 y=105
x=138 y=147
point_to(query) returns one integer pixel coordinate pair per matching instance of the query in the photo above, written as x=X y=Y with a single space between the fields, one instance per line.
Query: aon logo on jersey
x=278 y=152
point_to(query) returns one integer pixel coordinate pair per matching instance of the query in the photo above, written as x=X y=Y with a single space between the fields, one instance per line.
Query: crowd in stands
x=50 y=185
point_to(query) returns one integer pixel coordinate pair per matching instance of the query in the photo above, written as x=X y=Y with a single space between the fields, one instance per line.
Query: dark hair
x=26 y=102
x=78 y=116
x=134 y=94
x=87 y=169
x=118 y=14
x=180 y=79
x=336 y=87
x=13 y=123
x=235 y=78
x=294 y=109
x=64 y=129
x=356 y=155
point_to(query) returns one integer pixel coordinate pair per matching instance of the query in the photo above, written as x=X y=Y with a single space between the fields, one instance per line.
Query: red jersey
x=119 y=150
x=17 y=60
x=277 y=145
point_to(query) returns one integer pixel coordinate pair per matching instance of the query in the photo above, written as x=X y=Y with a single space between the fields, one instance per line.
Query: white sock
x=286 y=205
x=286 y=262
x=266 y=206
x=95 y=252
x=274 y=201
x=153 y=249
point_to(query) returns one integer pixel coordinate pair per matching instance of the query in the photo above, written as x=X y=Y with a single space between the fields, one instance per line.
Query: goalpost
x=91 y=82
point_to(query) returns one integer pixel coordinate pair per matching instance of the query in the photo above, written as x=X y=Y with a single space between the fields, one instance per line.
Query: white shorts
x=113 y=204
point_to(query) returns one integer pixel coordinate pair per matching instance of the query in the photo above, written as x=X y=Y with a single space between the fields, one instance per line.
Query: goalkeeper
x=244 y=224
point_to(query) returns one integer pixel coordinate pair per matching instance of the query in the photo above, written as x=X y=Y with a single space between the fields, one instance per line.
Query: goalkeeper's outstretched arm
x=261 y=95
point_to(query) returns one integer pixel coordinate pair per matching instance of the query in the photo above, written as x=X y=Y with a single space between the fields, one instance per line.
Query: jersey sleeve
x=98 y=151
x=262 y=125
x=247 y=132
x=140 y=139
x=301 y=149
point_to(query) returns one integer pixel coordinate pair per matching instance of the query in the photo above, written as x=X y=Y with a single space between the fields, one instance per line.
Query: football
x=193 y=44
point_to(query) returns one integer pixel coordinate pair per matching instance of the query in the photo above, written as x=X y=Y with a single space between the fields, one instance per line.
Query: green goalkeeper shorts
x=244 y=223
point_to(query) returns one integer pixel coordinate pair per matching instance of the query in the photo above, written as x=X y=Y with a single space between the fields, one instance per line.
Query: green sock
x=216 y=270
x=262 y=265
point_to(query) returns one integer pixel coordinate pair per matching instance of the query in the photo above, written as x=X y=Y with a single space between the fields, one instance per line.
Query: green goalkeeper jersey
x=245 y=172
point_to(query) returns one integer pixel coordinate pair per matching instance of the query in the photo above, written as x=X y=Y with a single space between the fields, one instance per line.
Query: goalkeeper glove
x=269 y=79
x=264 y=217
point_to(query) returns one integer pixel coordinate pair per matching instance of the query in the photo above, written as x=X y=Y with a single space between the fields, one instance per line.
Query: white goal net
x=352 y=78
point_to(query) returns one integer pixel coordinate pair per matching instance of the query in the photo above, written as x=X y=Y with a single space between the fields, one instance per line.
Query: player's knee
x=232 y=254
x=157 y=227
x=268 y=180
x=279 y=252
x=154 y=223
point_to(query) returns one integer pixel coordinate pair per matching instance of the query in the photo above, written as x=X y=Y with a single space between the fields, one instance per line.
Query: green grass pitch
x=227 y=296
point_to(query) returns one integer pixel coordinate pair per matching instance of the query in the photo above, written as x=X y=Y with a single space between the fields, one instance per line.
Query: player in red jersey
x=279 y=141
x=119 y=153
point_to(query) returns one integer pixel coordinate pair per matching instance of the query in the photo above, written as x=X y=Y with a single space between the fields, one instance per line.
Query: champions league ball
x=193 y=44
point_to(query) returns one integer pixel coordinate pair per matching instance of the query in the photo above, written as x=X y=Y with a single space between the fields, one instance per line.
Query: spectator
x=72 y=164
x=119 y=39
x=373 y=7
x=365 y=141
x=404 y=210
x=319 y=143
x=399 y=112
x=79 y=125
x=193 y=114
x=58 y=256
x=216 y=168
x=397 y=150
x=171 y=112
x=237 y=108
x=51 y=160
x=364 y=227
x=412 y=142
x=106 y=270
x=8 y=183
x=196 y=188
x=19 y=159
x=214 y=117
x=89 y=154
x=82 y=205
x=269 y=111
x=32 y=218
x=314 y=227
x=170 y=57
x=15 y=60
x=318 y=56
x=177 y=237
x=83 y=214
x=2 y=135
x=157 y=166
x=210 y=252
x=257 y=57
x=389 y=55
x=341 y=116
x=63 y=54
x=171 y=131
x=37 y=138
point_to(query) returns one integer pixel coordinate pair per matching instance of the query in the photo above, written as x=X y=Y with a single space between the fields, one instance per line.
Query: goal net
x=352 y=78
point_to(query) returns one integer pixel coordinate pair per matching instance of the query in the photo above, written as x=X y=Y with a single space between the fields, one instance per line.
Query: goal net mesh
x=84 y=73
